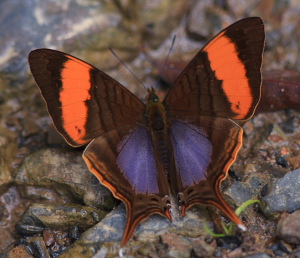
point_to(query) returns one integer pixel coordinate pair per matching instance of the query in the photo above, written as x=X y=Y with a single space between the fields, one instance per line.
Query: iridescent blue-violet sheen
x=136 y=161
x=192 y=151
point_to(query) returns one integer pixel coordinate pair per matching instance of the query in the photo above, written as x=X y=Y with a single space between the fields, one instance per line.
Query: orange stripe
x=224 y=60
x=75 y=90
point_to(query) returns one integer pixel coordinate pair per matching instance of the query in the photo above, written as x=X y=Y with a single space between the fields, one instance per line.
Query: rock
x=258 y=255
x=198 y=17
x=41 y=216
x=20 y=251
x=11 y=207
x=8 y=149
x=29 y=127
x=229 y=242
x=248 y=189
x=288 y=228
x=86 y=29
x=283 y=194
x=109 y=233
x=237 y=252
x=7 y=240
x=202 y=249
x=38 y=247
x=178 y=246
x=294 y=161
x=106 y=233
x=149 y=249
x=49 y=238
x=74 y=233
x=285 y=247
x=5 y=174
x=51 y=244
x=66 y=174
x=92 y=26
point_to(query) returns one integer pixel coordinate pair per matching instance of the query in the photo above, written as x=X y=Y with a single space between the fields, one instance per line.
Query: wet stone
x=279 y=248
x=28 y=227
x=74 y=233
x=288 y=228
x=67 y=174
x=54 y=243
x=45 y=194
x=38 y=247
x=281 y=161
x=285 y=247
x=40 y=216
x=283 y=194
x=108 y=232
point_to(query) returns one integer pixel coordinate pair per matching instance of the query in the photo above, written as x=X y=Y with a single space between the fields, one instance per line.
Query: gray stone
x=284 y=194
x=259 y=255
x=109 y=233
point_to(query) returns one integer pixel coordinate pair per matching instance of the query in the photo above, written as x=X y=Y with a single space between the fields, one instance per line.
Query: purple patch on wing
x=136 y=161
x=192 y=151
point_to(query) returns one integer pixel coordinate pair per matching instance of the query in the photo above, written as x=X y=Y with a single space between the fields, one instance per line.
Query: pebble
x=288 y=228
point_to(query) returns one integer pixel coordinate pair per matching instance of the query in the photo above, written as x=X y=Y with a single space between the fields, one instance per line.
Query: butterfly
x=182 y=146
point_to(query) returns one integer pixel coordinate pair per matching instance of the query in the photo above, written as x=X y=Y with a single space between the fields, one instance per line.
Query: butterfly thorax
x=159 y=127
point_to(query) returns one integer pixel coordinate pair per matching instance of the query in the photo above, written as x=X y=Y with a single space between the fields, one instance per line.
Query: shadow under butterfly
x=183 y=145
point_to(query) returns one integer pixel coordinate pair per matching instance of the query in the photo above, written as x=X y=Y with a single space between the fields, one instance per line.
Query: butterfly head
x=152 y=97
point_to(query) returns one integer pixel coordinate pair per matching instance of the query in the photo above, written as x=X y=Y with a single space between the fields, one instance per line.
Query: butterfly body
x=159 y=127
x=183 y=145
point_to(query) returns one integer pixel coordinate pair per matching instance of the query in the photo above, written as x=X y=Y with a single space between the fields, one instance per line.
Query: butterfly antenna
x=167 y=59
x=128 y=69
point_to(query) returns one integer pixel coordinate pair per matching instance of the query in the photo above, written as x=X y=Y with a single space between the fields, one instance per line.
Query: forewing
x=123 y=160
x=224 y=78
x=203 y=155
x=82 y=101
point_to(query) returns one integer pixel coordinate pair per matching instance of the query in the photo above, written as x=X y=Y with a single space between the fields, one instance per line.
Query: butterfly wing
x=204 y=150
x=222 y=81
x=86 y=105
x=82 y=101
x=224 y=78
x=123 y=160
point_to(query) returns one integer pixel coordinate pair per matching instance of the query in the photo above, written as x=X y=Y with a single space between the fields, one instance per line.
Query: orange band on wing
x=75 y=91
x=227 y=66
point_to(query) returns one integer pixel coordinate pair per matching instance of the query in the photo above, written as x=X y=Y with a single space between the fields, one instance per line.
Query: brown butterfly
x=145 y=152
